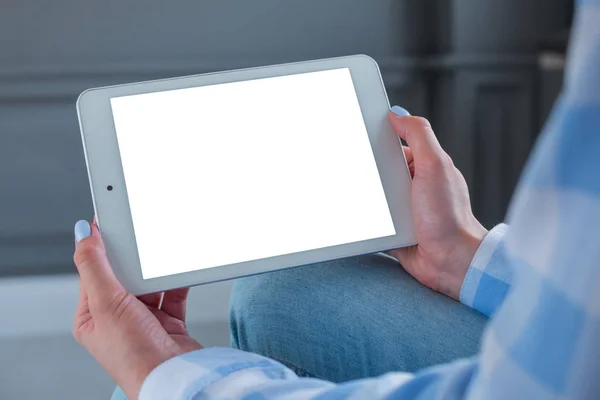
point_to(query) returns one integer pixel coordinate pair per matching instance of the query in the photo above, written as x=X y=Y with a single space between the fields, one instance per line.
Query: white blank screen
x=242 y=171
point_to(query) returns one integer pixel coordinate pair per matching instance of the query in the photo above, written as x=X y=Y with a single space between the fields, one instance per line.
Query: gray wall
x=39 y=359
x=456 y=62
x=507 y=26
x=51 y=51
x=470 y=66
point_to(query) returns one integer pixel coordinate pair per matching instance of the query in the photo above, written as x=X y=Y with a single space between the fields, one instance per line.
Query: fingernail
x=399 y=111
x=82 y=230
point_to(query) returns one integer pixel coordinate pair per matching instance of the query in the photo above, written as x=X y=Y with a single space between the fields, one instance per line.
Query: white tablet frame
x=112 y=207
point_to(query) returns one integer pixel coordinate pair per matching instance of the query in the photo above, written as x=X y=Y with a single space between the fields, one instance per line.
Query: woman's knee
x=292 y=300
x=305 y=316
x=350 y=318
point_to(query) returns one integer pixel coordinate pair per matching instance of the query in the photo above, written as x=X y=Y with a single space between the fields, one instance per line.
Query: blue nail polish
x=82 y=230
x=399 y=111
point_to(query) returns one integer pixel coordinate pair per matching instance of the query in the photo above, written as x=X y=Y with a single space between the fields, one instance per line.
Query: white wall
x=39 y=359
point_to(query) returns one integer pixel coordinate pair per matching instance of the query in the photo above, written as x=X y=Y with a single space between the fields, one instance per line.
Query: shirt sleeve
x=542 y=341
x=224 y=373
x=490 y=274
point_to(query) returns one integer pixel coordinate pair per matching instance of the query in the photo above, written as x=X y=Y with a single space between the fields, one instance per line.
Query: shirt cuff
x=183 y=376
x=490 y=276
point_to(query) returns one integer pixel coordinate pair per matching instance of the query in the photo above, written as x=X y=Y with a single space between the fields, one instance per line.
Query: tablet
x=210 y=177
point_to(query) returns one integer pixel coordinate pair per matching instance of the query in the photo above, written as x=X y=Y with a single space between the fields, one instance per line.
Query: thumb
x=97 y=277
x=418 y=135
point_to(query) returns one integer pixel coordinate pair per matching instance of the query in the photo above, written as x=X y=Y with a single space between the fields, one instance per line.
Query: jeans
x=349 y=319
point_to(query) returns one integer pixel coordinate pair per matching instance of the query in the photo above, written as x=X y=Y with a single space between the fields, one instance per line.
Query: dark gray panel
x=551 y=83
x=410 y=92
x=506 y=26
x=43 y=186
x=33 y=254
x=442 y=112
x=42 y=169
x=501 y=130
x=85 y=32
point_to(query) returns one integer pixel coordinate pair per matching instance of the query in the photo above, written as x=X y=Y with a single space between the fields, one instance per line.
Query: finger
x=151 y=300
x=172 y=325
x=419 y=136
x=405 y=256
x=82 y=308
x=96 y=274
x=409 y=160
x=408 y=154
x=83 y=297
x=174 y=303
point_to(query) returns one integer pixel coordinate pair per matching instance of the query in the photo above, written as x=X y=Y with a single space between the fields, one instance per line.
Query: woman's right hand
x=129 y=336
x=447 y=231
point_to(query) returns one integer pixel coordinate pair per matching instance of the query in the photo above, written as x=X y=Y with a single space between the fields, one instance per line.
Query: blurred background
x=485 y=72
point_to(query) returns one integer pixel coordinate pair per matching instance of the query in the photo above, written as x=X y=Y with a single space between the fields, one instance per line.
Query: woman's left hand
x=129 y=336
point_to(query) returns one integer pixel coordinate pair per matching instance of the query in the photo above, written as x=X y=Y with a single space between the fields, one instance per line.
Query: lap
x=349 y=319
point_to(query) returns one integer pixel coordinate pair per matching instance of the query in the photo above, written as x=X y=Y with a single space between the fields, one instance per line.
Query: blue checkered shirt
x=539 y=280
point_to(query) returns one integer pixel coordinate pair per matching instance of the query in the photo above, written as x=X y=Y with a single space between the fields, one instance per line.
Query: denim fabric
x=350 y=319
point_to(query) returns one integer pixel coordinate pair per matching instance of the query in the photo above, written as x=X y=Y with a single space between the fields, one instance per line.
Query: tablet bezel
x=112 y=207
